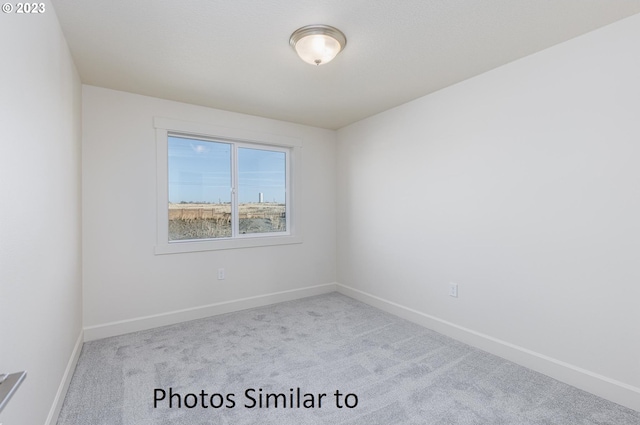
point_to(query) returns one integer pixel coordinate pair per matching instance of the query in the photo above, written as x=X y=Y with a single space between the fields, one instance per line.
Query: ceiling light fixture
x=317 y=44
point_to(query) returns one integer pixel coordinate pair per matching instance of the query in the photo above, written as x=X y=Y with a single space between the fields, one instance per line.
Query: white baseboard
x=602 y=386
x=149 y=322
x=52 y=418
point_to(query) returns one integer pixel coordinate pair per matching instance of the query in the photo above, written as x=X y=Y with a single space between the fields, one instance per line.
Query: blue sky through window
x=261 y=171
x=200 y=171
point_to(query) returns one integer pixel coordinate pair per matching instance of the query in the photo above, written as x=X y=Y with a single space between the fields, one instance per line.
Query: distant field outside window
x=261 y=191
x=223 y=189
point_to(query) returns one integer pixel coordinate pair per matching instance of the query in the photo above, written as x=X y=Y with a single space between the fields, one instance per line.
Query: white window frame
x=241 y=138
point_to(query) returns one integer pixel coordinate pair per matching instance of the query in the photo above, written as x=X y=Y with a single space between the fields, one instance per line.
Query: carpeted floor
x=401 y=373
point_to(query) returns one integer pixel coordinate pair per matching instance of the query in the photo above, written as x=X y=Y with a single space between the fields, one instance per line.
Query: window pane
x=261 y=191
x=199 y=189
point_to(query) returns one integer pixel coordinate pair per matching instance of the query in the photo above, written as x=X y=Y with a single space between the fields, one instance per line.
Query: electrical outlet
x=453 y=290
x=220 y=274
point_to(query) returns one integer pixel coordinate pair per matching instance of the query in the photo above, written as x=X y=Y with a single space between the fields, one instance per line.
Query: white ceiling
x=235 y=54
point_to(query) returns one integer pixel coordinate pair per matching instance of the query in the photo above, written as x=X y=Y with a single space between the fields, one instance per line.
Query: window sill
x=215 y=245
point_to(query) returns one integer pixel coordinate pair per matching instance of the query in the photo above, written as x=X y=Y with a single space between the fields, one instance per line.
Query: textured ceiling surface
x=235 y=54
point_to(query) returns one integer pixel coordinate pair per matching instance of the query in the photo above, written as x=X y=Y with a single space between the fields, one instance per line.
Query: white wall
x=123 y=279
x=522 y=185
x=40 y=263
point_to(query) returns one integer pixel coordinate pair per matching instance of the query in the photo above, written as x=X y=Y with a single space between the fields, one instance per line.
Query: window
x=219 y=189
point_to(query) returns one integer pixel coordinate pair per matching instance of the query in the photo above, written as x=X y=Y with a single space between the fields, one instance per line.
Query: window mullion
x=288 y=191
x=235 y=217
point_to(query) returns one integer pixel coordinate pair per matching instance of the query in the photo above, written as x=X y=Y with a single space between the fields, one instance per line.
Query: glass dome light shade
x=317 y=44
